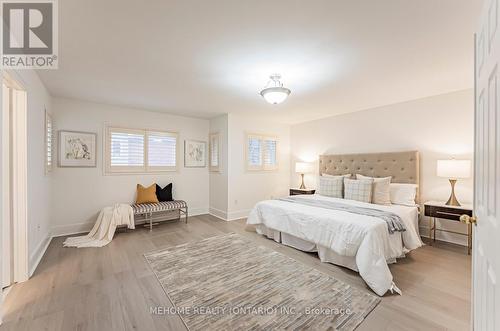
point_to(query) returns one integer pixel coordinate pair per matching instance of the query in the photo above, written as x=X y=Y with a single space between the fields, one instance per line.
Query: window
x=261 y=152
x=134 y=150
x=214 y=151
x=49 y=142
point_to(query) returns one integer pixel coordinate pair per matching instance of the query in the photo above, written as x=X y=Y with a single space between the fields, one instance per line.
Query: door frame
x=19 y=175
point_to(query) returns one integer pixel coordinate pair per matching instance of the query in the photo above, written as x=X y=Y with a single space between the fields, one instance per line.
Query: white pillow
x=381 y=189
x=331 y=186
x=403 y=194
x=359 y=190
x=327 y=175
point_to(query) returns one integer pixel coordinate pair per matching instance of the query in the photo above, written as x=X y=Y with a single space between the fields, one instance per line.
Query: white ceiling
x=204 y=58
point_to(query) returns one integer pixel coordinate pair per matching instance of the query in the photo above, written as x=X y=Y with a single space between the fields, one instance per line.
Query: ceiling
x=205 y=58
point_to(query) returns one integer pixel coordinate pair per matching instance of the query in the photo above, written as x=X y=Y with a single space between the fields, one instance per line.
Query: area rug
x=228 y=282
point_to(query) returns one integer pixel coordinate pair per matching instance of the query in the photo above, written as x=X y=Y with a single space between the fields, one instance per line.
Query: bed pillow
x=381 y=194
x=358 y=189
x=403 y=194
x=331 y=186
x=146 y=194
x=164 y=194
x=327 y=175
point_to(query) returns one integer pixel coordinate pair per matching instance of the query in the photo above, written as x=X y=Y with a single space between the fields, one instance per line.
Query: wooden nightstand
x=434 y=209
x=298 y=191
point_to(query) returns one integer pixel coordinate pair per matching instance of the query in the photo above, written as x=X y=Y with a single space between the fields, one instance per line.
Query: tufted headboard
x=402 y=166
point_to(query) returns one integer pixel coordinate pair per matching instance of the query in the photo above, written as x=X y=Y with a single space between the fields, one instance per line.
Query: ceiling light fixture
x=275 y=94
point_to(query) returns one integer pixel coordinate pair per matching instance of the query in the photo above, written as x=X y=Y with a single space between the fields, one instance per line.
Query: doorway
x=14 y=182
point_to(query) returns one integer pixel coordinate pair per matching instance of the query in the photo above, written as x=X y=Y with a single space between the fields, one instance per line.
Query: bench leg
x=186 y=212
x=150 y=222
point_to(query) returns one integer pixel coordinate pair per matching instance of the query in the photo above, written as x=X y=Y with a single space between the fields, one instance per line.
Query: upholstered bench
x=149 y=209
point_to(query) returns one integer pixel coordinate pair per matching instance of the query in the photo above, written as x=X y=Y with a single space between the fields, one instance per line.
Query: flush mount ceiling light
x=274 y=92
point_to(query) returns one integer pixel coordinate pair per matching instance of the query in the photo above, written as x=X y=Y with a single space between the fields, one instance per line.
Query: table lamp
x=303 y=168
x=453 y=170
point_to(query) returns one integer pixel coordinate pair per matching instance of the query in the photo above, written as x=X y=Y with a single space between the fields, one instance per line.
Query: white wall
x=439 y=127
x=219 y=179
x=246 y=188
x=79 y=193
x=39 y=184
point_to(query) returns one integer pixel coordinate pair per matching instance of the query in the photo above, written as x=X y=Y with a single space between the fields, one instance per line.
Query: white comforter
x=364 y=237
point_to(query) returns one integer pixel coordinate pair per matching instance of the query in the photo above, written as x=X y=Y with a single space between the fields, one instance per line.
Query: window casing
x=261 y=152
x=49 y=142
x=214 y=152
x=140 y=150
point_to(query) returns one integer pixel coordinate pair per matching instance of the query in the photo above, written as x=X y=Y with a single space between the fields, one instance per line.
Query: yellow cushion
x=146 y=194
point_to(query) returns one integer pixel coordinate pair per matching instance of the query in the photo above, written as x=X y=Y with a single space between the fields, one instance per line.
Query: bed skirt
x=324 y=254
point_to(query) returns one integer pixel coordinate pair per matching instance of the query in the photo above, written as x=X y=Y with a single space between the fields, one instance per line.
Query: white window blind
x=214 y=148
x=133 y=150
x=49 y=142
x=127 y=149
x=162 y=150
x=262 y=152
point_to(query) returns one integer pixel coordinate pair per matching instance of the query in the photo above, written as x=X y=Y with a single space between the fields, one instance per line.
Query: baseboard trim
x=451 y=238
x=78 y=228
x=237 y=215
x=218 y=213
x=38 y=254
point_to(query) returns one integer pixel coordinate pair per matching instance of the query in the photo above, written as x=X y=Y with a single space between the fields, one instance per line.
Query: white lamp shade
x=303 y=167
x=454 y=169
x=275 y=95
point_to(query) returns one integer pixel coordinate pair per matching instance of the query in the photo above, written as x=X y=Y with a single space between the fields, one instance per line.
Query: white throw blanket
x=104 y=229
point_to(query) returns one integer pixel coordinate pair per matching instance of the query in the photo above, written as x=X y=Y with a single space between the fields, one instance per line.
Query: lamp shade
x=275 y=95
x=454 y=169
x=303 y=167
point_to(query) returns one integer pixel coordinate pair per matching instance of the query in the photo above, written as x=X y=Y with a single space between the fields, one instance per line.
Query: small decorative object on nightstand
x=433 y=210
x=303 y=168
x=297 y=191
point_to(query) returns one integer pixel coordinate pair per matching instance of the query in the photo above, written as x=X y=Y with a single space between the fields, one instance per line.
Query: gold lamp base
x=452 y=201
x=302 y=186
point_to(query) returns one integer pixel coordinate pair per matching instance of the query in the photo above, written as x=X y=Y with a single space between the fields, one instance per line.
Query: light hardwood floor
x=113 y=288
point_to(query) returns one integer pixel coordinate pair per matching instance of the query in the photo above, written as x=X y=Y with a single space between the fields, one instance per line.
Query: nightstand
x=434 y=209
x=298 y=191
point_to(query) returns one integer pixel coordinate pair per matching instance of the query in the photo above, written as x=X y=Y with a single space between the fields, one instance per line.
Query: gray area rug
x=229 y=282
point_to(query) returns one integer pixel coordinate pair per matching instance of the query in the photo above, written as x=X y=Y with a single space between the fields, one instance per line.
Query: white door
x=7 y=270
x=486 y=245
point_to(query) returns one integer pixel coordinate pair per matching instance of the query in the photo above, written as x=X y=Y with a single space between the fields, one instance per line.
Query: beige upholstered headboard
x=402 y=166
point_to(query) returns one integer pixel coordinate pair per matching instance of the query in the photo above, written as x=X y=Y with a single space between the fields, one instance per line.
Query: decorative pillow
x=327 y=175
x=164 y=194
x=359 y=190
x=331 y=186
x=381 y=189
x=146 y=194
x=403 y=194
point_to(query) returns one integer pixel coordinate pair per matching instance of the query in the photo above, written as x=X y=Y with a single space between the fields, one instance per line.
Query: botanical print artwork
x=194 y=153
x=77 y=149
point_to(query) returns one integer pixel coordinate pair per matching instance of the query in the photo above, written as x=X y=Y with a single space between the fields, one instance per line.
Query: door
x=486 y=245
x=7 y=253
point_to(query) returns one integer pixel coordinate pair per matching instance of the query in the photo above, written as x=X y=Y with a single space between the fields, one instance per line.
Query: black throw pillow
x=164 y=194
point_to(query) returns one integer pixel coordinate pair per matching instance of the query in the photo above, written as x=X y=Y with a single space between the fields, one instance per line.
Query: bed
x=360 y=242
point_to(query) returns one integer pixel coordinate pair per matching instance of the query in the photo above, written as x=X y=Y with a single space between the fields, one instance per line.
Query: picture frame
x=77 y=149
x=195 y=154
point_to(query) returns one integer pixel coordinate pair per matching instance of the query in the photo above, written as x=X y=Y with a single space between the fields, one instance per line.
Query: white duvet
x=364 y=237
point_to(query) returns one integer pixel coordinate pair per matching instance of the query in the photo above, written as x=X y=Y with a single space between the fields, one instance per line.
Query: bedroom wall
x=245 y=188
x=219 y=179
x=39 y=184
x=79 y=193
x=440 y=127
